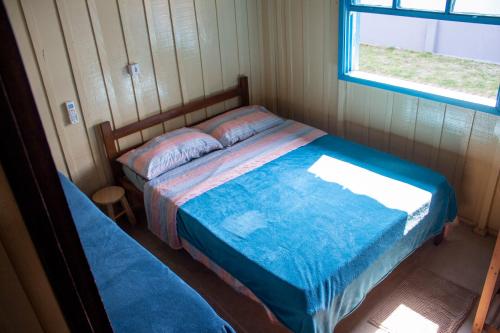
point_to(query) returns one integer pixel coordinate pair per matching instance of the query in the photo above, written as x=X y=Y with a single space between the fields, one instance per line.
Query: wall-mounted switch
x=72 y=114
x=133 y=69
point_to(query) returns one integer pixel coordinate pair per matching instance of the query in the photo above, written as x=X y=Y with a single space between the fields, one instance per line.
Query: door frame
x=32 y=175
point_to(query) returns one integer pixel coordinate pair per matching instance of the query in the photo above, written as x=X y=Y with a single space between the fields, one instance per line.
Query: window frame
x=345 y=47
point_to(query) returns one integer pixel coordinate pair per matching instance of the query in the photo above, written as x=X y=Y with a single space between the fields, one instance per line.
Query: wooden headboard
x=110 y=136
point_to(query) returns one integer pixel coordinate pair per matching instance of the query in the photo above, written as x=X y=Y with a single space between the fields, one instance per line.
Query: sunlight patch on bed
x=407 y=320
x=391 y=193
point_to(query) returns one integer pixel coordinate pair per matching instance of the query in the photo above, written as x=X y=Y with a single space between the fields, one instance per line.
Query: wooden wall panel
x=313 y=36
x=188 y=53
x=255 y=50
x=164 y=57
x=330 y=82
x=86 y=70
x=459 y=143
x=110 y=44
x=137 y=45
x=30 y=62
x=208 y=35
x=379 y=107
x=79 y=50
x=267 y=12
x=295 y=53
x=243 y=39
x=428 y=129
x=282 y=60
x=455 y=137
x=52 y=57
x=403 y=120
x=494 y=218
x=228 y=39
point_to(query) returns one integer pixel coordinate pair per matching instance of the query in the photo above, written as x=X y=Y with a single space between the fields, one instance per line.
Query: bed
x=140 y=294
x=304 y=222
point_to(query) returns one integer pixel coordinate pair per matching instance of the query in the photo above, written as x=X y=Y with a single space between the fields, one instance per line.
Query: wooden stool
x=110 y=195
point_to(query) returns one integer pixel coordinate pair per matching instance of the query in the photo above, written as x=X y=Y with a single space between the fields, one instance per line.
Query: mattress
x=139 y=293
x=309 y=228
x=137 y=180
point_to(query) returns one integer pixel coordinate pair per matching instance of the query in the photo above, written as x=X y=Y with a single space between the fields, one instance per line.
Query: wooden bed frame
x=110 y=136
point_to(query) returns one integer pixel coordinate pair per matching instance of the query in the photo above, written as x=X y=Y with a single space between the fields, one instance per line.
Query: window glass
x=481 y=7
x=436 y=53
x=383 y=3
x=430 y=5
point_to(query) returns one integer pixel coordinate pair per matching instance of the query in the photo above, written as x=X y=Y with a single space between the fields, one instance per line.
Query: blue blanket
x=140 y=294
x=311 y=232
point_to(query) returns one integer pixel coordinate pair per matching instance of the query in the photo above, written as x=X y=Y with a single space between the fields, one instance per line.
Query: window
x=445 y=50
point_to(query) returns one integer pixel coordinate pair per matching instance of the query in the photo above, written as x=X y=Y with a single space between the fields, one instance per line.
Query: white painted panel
x=330 y=82
x=314 y=30
x=255 y=42
x=268 y=16
x=50 y=51
x=404 y=117
x=208 y=35
x=30 y=62
x=454 y=140
x=228 y=41
x=478 y=164
x=281 y=60
x=188 y=54
x=164 y=57
x=428 y=129
x=242 y=39
x=88 y=78
x=138 y=50
x=108 y=35
x=356 y=115
x=295 y=51
x=379 y=105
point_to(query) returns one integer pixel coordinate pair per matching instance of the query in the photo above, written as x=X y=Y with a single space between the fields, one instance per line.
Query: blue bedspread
x=140 y=294
x=311 y=232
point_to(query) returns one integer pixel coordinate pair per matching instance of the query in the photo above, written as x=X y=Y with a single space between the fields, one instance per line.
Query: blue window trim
x=345 y=47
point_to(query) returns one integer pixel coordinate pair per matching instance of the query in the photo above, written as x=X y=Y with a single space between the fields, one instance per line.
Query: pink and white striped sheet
x=168 y=151
x=165 y=194
x=239 y=124
x=226 y=277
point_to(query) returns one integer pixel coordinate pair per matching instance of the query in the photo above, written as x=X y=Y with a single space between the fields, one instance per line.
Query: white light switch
x=133 y=69
x=72 y=114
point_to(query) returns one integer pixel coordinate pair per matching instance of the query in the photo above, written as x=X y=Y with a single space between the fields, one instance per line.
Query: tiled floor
x=462 y=258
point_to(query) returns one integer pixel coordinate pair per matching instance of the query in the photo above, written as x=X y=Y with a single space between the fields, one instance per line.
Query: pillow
x=239 y=124
x=168 y=151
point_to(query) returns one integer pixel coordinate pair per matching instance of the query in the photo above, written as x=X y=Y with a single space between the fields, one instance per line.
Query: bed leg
x=439 y=238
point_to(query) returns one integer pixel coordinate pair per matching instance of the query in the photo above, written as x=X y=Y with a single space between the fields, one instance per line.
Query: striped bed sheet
x=325 y=235
x=166 y=193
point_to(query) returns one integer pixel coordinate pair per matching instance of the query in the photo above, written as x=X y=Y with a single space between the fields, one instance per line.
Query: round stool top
x=108 y=195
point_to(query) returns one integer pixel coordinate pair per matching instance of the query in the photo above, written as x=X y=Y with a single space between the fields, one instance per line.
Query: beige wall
x=79 y=49
x=300 y=61
x=27 y=303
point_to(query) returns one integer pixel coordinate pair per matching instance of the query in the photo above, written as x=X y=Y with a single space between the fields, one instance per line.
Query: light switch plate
x=133 y=69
